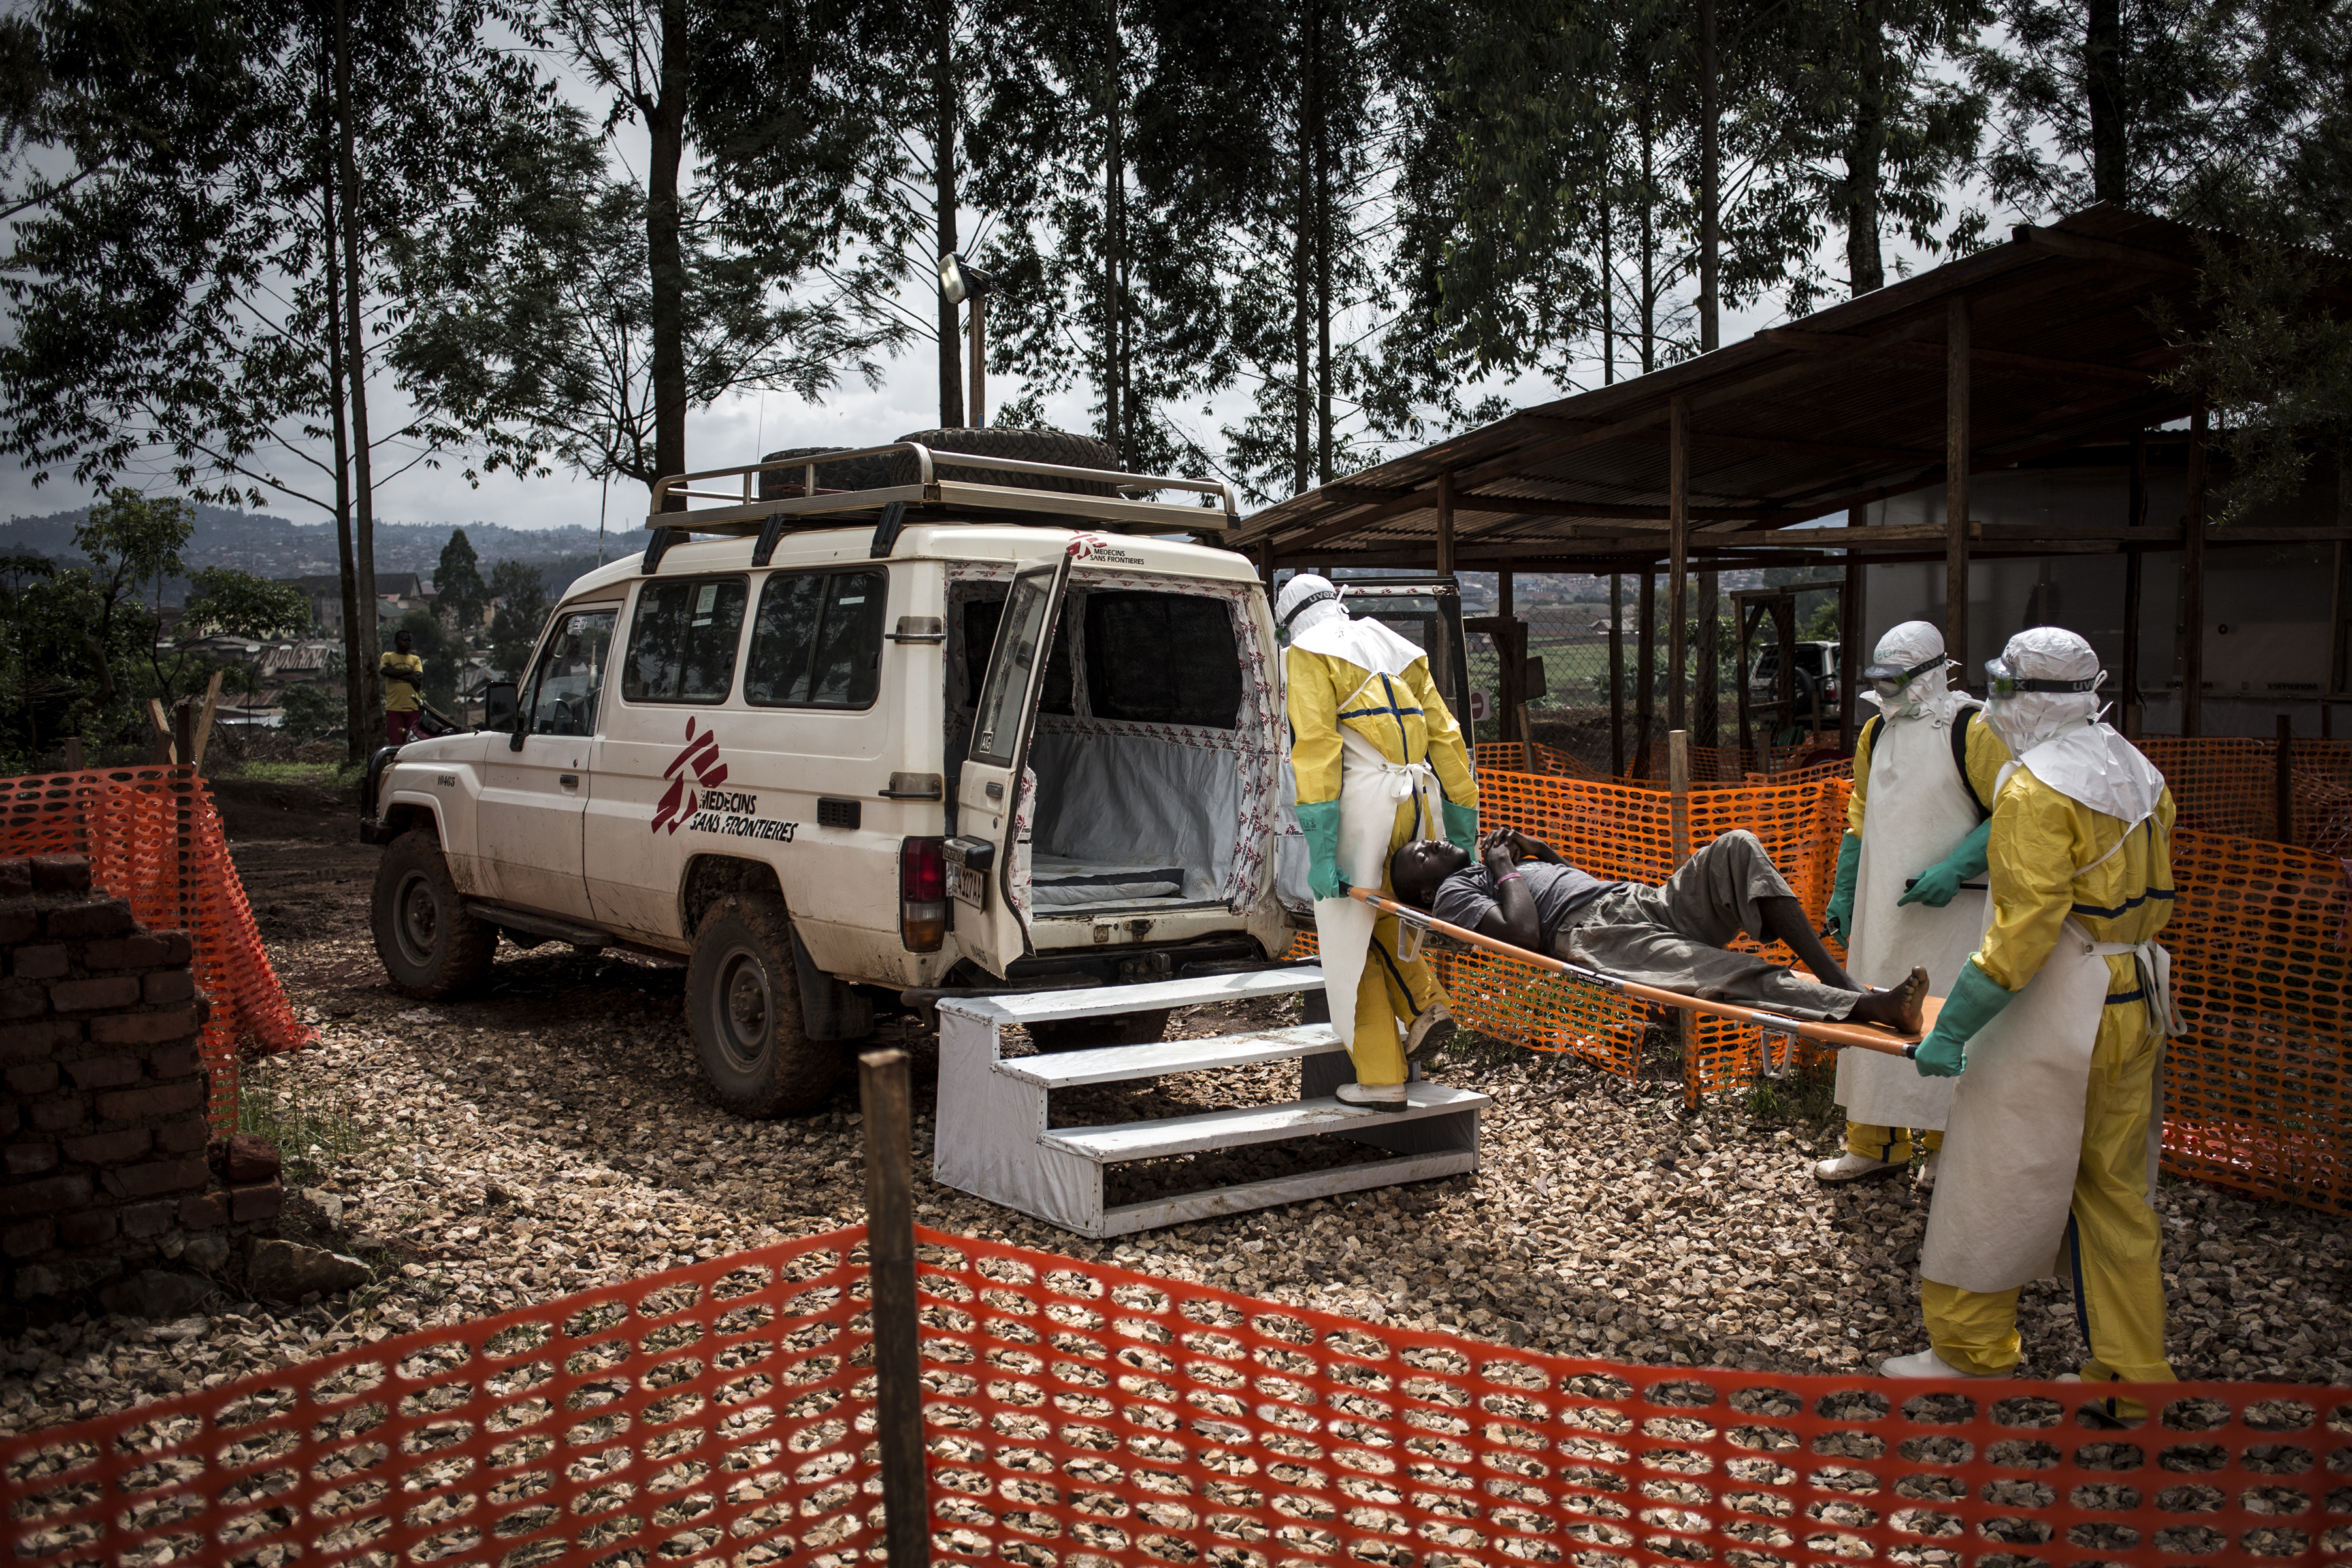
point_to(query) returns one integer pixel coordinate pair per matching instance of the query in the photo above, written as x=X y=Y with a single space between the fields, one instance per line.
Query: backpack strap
x=1870 y=729
x=1969 y=713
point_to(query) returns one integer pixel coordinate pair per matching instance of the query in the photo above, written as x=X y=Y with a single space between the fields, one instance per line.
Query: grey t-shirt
x=1560 y=892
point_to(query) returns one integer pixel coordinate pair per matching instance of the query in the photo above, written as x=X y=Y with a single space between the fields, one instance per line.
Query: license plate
x=968 y=886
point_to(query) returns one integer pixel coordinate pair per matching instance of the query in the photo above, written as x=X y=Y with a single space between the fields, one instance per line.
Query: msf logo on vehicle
x=701 y=805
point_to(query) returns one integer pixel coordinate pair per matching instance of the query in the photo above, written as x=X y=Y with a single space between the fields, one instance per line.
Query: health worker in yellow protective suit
x=2056 y=1031
x=1910 y=875
x=1378 y=761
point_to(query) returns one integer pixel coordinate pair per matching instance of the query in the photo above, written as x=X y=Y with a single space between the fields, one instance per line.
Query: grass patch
x=1806 y=1098
x=314 y=1134
x=316 y=776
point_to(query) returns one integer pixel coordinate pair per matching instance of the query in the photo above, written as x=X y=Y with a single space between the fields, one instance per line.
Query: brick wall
x=107 y=1159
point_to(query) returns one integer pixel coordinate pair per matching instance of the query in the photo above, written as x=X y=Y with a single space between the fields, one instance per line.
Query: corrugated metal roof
x=1843 y=408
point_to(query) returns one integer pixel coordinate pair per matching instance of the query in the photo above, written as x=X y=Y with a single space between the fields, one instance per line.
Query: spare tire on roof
x=1022 y=446
x=858 y=474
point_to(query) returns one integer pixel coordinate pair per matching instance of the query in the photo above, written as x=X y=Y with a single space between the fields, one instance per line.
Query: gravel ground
x=555 y=1134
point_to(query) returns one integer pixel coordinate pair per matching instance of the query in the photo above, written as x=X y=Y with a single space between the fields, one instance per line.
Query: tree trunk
x=1649 y=239
x=943 y=170
x=1114 y=241
x=665 y=252
x=1710 y=157
x=1301 y=265
x=1866 y=269
x=2103 y=81
x=1608 y=288
x=354 y=327
x=1318 y=117
x=355 y=735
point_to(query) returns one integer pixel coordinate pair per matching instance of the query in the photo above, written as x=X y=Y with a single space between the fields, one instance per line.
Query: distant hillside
x=274 y=546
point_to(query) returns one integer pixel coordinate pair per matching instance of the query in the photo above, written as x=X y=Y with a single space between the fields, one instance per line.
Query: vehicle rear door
x=990 y=927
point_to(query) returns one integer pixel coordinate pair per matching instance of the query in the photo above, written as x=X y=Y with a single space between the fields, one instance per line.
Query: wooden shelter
x=2045 y=344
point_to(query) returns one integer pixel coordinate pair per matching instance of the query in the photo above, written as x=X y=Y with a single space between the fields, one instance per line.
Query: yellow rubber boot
x=1379 y=1050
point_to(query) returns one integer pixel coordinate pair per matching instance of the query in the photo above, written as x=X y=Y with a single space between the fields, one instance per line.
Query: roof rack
x=748 y=513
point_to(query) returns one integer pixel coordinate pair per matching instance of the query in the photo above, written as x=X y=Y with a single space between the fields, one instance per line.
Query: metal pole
x=890 y=1270
x=978 y=362
x=1955 y=484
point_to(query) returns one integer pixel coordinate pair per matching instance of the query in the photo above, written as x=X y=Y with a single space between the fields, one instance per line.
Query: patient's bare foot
x=1902 y=1008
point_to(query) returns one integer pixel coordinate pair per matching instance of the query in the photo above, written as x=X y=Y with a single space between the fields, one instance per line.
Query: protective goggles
x=1896 y=677
x=2002 y=681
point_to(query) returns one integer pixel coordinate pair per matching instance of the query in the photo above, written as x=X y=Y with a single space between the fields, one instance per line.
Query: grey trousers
x=1673 y=937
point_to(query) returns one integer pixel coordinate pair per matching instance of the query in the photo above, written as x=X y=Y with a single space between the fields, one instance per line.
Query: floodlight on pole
x=962 y=282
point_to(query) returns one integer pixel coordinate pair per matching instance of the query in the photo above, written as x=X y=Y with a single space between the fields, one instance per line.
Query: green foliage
x=457 y=586
x=221 y=599
x=523 y=600
x=311 y=712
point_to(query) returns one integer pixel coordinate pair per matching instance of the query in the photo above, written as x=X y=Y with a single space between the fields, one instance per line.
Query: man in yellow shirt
x=402 y=674
x=1378 y=762
x=2056 y=1031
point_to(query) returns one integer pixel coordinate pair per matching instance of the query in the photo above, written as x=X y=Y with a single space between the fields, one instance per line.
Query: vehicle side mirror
x=499 y=705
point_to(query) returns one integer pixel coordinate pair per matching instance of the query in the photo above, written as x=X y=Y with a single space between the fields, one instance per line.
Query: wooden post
x=890 y=1270
x=2337 y=679
x=1746 y=618
x=204 y=722
x=1506 y=658
x=1677 y=558
x=2135 y=516
x=1707 y=662
x=1678 y=793
x=1853 y=626
x=1956 y=485
x=74 y=761
x=2282 y=780
x=1645 y=672
x=1617 y=674
x=161 y=722
x=2193 y=585
x=1445 y=524
x=184 y=733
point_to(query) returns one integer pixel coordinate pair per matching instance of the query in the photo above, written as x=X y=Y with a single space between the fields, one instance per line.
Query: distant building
x=397 y=593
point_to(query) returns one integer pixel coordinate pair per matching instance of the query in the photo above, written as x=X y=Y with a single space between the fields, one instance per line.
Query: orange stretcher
x=1775 y=1028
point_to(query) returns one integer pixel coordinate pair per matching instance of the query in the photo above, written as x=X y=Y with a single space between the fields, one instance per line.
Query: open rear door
x=992 y=930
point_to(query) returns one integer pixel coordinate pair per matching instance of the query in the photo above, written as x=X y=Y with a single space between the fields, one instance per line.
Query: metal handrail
x=927 y=475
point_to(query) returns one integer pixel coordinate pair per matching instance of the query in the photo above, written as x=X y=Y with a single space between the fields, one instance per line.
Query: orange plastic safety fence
x=2230 y=784
x=717 y=1414
x=1081 y=1415
x=1533 y=756
x=154 y=841
x=2258 y=1095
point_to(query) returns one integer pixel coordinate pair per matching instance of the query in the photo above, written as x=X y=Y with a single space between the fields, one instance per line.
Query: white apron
x=1916 y=811
x=2015 y=1141
x=1371 y=789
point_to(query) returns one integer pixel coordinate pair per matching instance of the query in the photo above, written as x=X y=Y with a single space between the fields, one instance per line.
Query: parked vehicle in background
x=1815 y=668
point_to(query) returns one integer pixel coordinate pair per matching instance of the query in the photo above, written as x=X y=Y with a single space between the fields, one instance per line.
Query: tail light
x=923 y=894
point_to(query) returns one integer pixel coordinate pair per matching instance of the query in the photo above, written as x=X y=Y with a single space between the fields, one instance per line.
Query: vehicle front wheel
x=430 y=946
x=743 y=1008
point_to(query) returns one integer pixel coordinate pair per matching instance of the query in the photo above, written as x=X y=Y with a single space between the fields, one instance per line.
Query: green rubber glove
x=1461 y=826
x=1975 y=1000
x=1939 y=881
x=1320 y=824
x=1841 y=919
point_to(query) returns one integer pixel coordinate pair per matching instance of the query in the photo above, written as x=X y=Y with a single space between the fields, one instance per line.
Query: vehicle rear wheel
x=743 y=1008
x=1091 y=1034
x=429 y=946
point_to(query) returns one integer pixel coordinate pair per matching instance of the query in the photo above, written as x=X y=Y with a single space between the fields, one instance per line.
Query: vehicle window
x=561 y=698
x=682 y=643
x=1162 y=658
x=817 y=640
x=996 y=718
x=981 y=619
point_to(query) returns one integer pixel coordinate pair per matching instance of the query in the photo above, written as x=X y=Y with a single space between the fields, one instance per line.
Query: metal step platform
x=995 y=1137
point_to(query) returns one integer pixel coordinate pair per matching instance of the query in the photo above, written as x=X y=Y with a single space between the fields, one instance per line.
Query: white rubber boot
x=1431 y=1028
x=1926 y=1363
x=1851 y=1168
x=1373 y=1096
x=1926 y=1177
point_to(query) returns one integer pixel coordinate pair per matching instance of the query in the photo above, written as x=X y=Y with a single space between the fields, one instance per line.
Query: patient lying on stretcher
x=1674 y=937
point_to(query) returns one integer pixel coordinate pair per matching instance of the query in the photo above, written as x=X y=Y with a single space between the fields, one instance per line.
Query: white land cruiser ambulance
x=906 y=727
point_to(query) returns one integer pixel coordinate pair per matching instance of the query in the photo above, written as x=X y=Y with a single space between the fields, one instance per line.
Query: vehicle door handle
x=569 y=780
x=995 y=791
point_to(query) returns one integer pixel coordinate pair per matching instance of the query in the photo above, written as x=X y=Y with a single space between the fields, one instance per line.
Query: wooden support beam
x=1931 y=353
x=2193 y=585
x=1767 y=446
x=2082 y=248
x=1617 y=674
x=1956 y=485
x=1645 y=673
x=2135 y=519
x=1445 y=524
x=1853 y=626
x=1538 y=506
x=1677 y=558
